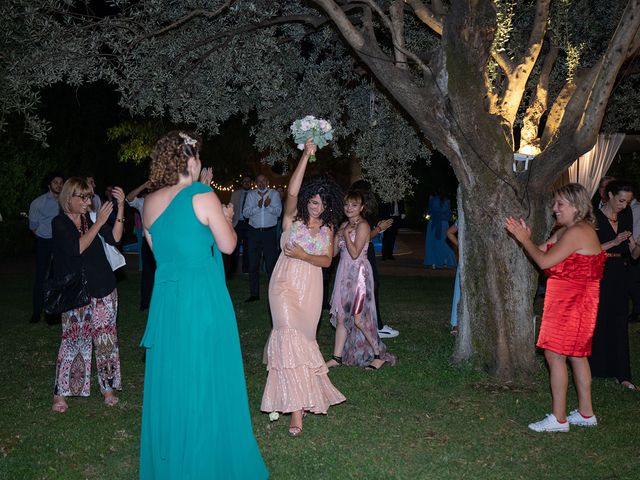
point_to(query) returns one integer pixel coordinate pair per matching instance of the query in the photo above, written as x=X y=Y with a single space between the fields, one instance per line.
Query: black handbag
x=66 y=293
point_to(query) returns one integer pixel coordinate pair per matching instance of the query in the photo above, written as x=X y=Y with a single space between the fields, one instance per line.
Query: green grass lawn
x=422 y=419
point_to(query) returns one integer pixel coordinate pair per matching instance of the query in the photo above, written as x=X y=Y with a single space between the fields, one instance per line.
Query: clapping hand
x=518 y=228
x=622 y=236
x=227 y=211
x=267 y=201
x=103 y=214
x=118 y=194
x=206 y=175
x=382 y=225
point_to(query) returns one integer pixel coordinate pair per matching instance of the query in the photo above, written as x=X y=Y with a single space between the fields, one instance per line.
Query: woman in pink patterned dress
x=297 y=381
x=353 y=308
x=76 y=246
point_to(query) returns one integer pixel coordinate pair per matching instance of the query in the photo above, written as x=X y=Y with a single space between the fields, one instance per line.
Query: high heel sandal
x=295 y=431
x=110 y=400
x=373 y=367
x=59 y=404
x=336 y=359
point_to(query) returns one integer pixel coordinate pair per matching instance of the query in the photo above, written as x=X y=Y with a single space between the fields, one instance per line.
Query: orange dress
x=571 y=304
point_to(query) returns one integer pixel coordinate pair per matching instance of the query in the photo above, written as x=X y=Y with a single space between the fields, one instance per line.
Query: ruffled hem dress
x=297 y=375
x=571 y=304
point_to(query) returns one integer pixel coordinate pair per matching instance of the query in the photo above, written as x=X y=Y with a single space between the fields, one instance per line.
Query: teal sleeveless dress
x=195 y=412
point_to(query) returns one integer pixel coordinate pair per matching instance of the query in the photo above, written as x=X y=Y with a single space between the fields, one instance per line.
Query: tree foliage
x=476 y=79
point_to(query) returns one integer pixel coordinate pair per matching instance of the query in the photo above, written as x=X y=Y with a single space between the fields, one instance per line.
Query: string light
x=232 y=187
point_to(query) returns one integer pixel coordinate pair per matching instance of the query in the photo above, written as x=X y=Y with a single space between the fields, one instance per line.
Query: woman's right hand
x=621 y=237
x=310 y=148
x=103 y=214
x=227 y=210
x=518 y=228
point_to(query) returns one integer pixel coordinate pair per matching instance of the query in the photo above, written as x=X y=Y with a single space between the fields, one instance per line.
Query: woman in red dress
x=573 y=261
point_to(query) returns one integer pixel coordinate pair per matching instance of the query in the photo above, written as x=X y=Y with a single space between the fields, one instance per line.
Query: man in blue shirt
x=262 y=208
x=42 y=210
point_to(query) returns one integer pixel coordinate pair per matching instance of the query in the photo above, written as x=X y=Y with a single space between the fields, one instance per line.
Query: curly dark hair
x=331 y=195
x=169 y=157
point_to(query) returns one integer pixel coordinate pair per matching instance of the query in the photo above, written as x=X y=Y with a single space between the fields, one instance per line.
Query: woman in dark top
x=76 y=246
x=610 y=350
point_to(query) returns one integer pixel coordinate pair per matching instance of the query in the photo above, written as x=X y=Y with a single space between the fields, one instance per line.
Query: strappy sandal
x=110 y=400
x=336 y=359
x=372 y=367
x=295 y=431
x=59 y=404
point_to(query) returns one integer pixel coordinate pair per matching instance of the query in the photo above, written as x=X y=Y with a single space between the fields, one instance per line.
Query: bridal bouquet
x=310 y=127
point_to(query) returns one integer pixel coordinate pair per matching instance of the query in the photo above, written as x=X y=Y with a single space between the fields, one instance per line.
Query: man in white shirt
x=241 y=226
x=262 y=208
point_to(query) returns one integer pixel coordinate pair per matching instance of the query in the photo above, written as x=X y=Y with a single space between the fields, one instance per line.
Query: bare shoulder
x=585 y=237
x=364 y=226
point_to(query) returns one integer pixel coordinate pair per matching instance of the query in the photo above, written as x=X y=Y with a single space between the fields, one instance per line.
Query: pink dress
x=297 y=376
x=353 y=295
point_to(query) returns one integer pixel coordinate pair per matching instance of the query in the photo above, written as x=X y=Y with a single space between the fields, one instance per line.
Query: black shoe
x=252 y=299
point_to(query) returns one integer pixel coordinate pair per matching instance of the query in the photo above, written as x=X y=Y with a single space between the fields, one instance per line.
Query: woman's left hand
x=118 y=194
x=294 y=250
x=382 y=225
x=518 y=228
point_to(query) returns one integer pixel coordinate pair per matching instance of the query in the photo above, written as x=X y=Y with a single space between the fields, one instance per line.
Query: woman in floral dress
x=297 y=381
x=353 y=308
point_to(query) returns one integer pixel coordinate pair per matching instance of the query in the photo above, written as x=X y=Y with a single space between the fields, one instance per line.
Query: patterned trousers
x=83 y=329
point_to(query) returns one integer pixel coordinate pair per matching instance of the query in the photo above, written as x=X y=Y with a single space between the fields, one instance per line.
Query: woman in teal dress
x=438 y=253
x=195 y=412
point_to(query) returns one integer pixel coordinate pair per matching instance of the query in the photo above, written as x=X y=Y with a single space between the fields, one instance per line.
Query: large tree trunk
x=498 y=281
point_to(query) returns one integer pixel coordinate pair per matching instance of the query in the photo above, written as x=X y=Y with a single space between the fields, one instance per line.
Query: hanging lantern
x=522 y=158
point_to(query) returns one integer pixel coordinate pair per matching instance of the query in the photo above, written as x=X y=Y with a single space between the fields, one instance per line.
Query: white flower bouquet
x=310 y=127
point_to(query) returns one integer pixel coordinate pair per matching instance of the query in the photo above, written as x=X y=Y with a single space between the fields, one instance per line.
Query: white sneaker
x=576 y=418
x=388 y=332
x=549 y=424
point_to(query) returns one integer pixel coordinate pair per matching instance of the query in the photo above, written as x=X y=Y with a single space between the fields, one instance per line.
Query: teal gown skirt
x=195 y=413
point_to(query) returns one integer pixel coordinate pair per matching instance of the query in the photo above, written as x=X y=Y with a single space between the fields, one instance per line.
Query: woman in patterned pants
x=76 y=247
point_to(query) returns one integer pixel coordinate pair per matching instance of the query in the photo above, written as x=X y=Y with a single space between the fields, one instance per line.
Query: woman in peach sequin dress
x=297 y=381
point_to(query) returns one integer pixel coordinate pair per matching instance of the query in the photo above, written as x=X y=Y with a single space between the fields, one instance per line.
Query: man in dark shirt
x=41 y=211
x=241 y=225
